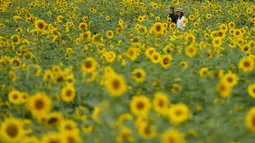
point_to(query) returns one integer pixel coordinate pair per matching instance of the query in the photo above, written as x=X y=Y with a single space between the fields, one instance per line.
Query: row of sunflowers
x=76 y=71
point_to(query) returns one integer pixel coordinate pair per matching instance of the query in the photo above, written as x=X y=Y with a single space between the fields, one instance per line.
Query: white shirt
x=179 y=23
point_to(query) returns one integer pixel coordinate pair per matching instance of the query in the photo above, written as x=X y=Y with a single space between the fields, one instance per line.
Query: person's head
x=179 y=12
x=170 y=10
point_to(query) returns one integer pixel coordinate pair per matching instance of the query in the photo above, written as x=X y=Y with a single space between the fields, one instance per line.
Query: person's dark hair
x=182 y=14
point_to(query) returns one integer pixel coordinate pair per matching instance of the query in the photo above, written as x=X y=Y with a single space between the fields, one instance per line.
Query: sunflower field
x=118 y=71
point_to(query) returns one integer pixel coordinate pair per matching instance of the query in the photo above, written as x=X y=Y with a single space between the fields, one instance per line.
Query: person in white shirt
x=180 y=18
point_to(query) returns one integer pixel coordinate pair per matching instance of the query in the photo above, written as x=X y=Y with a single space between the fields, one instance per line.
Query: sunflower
x=147 y=131
x=208 y=16
x=191 y=50
x=219 y=73
x=54 y=118
x=217 y=42
x=223 y=89
x=68 y=126
x=165 y=60
x=125 y=134
x=230 y=79
x=172 y=26
x=39 y=104
x=71 y=137
x=68 y=93
x=158 y=28
x=83 y=26
x=60 y=18
x=110 y=56
x=96 y=39
x=28 y=55
x=221 y=34
x=92 y=77
x=178 y=113
x=251 y=90
x=176 y=88
x=246 y=49
x=184 y=64
x=88 y=65
x=87 y=128
x=139 y=75
x=109 y=34
x=12 y=76
x=122 y=118
x=231 y=31
x=11 y=130
x=190 y=38
x=232 y=44
x=86 y=36
x=140 y=105
x=15 y=97
x=116 y=85
x=118 y=30
x=59 y=77
x=142 y=30
x=40 y=25
x=24 y=97
x=67 y=56
x=224 y=27
x=155 y=57
x=15 y=39
x=250 y=118
x=149 y=51
x=252 y=44
x=140 y=19
x=249 y=10
x=52 y=137
x=184 y=21
x=237 y=33
x=19 y=30
x=132 y=53
x=96 y=114
x=107 y=18
x=48 y=75
x=246 y=64
x=154 y=5
x=173 y=136
x=203 y=72
x=191 y=17
x=160 y=103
